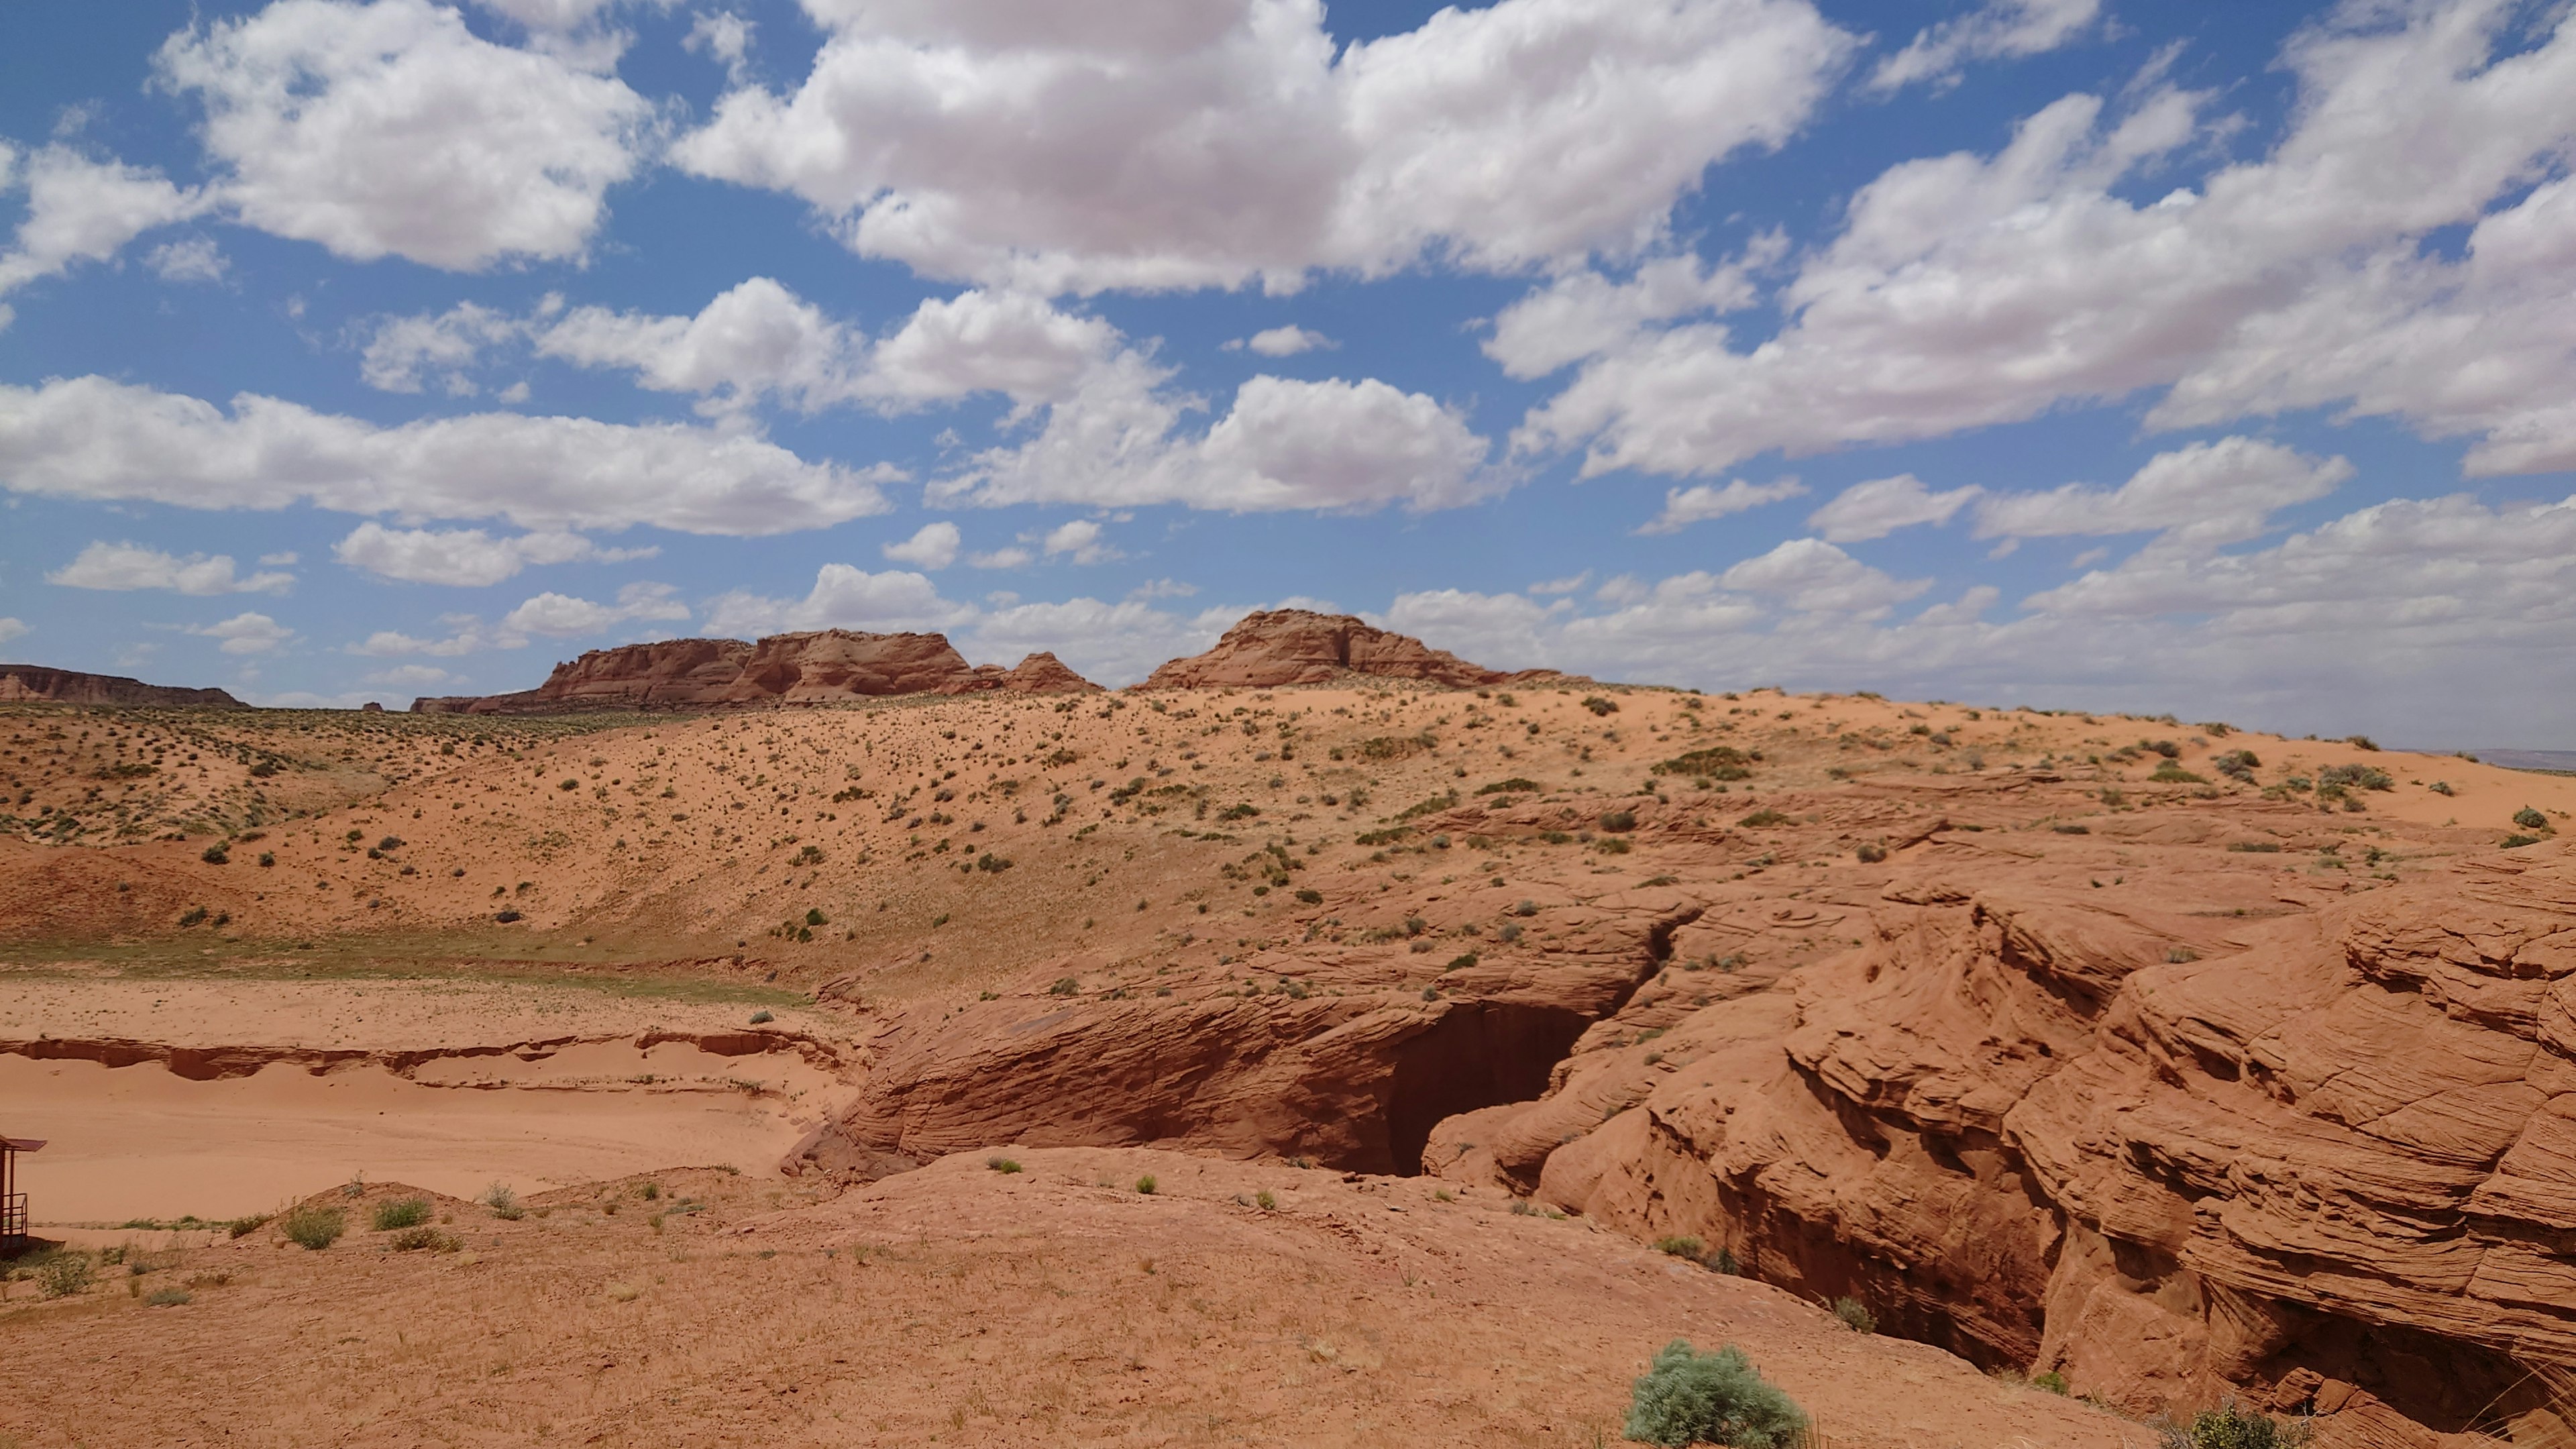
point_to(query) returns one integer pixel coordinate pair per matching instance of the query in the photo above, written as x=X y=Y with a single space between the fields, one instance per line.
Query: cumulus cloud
x=1584 y=312
x=2202 y=495
x=468 y=557
x=726 y=37
x=403 y=350
x=1702 y=502
x=966 y=139
x=93 y=438
x=410 y=676
x=246 y=634
x=121 y=566
x=843 y=597
x=1081 y=541
x=1285 y=341
x=1881 y=506
x=13 y=629
x=1012 y=557
x=389 y=128
x=1996 y=29
x=1283 y=444
x=934 y=546
x=192 y=259
x=466 y=635
x=1969 y=290
x=81 y=210
x=562 y=615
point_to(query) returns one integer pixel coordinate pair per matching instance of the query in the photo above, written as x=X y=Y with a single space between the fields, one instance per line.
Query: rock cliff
x=1296 y=646
x=70 y=686
x=782 y=669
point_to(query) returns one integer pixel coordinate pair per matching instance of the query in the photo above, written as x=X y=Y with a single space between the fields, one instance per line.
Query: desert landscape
x=1324 y=1041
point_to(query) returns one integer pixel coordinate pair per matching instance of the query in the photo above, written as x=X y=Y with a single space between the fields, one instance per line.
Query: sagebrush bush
x=408 y=1212
x=314 y=1228
x=1711 y=1398
x=2230 y=1426
x=1855 y=1315
x=64 y=1274
x=2530 y=819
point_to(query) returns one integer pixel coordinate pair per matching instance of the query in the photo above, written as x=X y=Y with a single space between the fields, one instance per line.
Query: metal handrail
x=13 y=1216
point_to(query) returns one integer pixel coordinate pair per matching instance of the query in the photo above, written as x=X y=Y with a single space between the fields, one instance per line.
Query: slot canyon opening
x=1479 y=1054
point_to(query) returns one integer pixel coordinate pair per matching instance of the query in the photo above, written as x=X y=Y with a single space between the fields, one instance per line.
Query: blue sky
x=2213 y=359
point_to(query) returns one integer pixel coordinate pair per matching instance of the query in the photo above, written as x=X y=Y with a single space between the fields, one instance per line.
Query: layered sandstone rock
x=1296 y=646
x=28 y=682
x=783 y=669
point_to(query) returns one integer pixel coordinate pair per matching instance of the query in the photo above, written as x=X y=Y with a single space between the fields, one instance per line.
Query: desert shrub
x=2230 y=1426
x=1618 y=820
x=2517 y=842
x=2051 y=1380
x=1855 y=1315
x=2530 y=819
x=2072 y=829
x=1265 y=1201
x=1719 y=762
x=2178 y=955
x=408 y=1212
x=315 y=1228
x=2255 y=847
x=1684 y=1247
x=505 y=917
x=568 y=783
x=1711 y=1398
x=1600 y=706
x=2360 y=742
x=419 y=1239
x=1525 y=909
x=267 y=859
x=1064 y=986
x=2441 y=787
x=1514 y=785
x=1311 y=897
x=1146 y=1184
x=2170 y=773
x=166 y=1298
x=2356 y=777
x=2237 y=764
x=216 y=855
x=1612 y=846
x=244 y=1227
x=1870 y=852
x=65 y=1274
x=1761 y=818
x=503 y=1202
x=1001 y=1164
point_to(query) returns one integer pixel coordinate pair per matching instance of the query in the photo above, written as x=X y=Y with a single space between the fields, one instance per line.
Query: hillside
x=2172 y=1059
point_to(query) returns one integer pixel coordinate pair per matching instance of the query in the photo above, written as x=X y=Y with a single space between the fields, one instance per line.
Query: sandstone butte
x=2213 y=1064
x=782 y=669
x=20 y=683
x=1296 y=646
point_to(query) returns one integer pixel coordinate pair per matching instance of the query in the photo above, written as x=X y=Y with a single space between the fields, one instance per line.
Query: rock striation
x=824 y=667
x=25 y=682
x=1297 y=646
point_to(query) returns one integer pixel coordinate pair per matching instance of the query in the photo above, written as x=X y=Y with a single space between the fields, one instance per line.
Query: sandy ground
x=959 y=1305
x=252 y=1093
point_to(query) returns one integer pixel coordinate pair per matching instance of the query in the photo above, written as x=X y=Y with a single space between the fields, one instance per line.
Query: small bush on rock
x=409 y=1212
x=1711 y=1398
x=315 y=1228
x=2230 y=1426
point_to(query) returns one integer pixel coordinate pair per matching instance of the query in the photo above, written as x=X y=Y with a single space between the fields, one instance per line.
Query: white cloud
x=93 y=438
x=191 y=259
x=843 y=597
x=132 y=566
x=467 y=636
x=403 y=348
x=279 y=559
x=466 y=558
x=1162 y=589
x=933 y=547
x=1081 y=541
x=1996 y=29
x=1112 y=644
x=1701 y=502
x=1284 y=444
x=1970 y=290
x=80 y=210
x=1285 y=341
x=562 y=615
x=389 y=128
x=726 y=37
x=246 y=634
x=1571 y=582
x=1584 y=313
x=2202 y=496
x=966 y=139
x=1881 y=506
x=14 y=629
x=1013 y=557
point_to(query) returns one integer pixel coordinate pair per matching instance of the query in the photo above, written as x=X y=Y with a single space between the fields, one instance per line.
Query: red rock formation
x=782 y=669
x=19 y=682
x=1295 y=646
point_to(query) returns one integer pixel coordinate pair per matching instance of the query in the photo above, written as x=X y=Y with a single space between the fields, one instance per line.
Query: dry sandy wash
x=2174 y=1061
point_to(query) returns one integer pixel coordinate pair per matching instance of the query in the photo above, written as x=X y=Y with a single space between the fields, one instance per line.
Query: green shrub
x=315 y=1228
x=1762 y=818
x=166 y=1298
x=1064 y=986
x=763 y=1017
x=1855 y=1315
x=2230 y=1426
x=2441 y=787
x=64 y=1274
x=1002 y=1165
x=1265 y=1201
x=216 y=855
x=1711 y=1398
x=2356 y=777
x=503 y=1202
x=244 y=1227
x=1679 y=1247
x=1599 y=706
x=1719 y=762
x=1618 y=820
x=2237 y=764
x=1311 y=897
x=413 y=1240
x=2053 y=1381
x=1146 y=1184
x=2530 y=819
x=2517 y=842
x=2170 y=773
x=2255 y=847
x=408 y=1212
x=1511 y=786
x=1870 y=852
